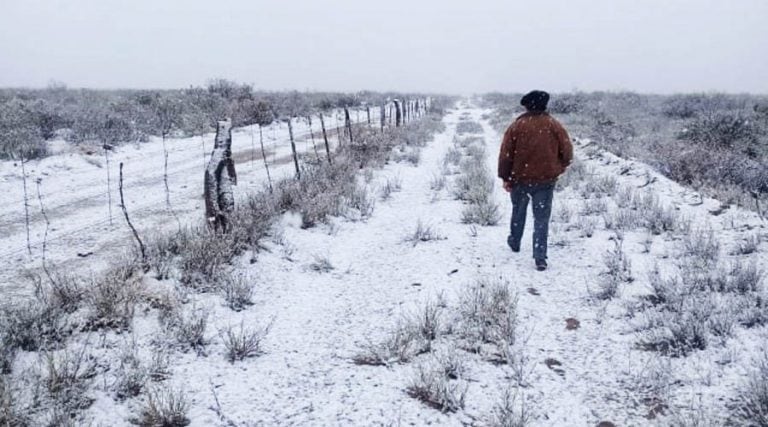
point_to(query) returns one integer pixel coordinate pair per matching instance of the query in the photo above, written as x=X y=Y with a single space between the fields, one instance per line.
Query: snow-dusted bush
x=618 y=270
x=677 y=333
x=422 y=233
x=702 y=245
x=67 y=377
x=131 y=374
x=360 y=203
x=400 y=345
x=391 y=185
x=204 y=254
x=488 y=310
x=59 y=290
x=723 y=129
x=748 y=245
x=464 y=127
x=451 y=361
x=432 y=386
x=511 y=410
x=164 y=407
x=599 y=186
x=752 y=398
x=187 y=328
x=237 y=290
x=474 y=184
x=437 y=183
x=483 y=212
x=31 y=325
x=429 y=321
x=11 y=412
x=244 y=342
x=452 y=158
x=595 y=206
x=112 y=299
x=587 y=226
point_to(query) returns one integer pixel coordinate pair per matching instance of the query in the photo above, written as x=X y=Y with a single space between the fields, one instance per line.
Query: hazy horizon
x=657 y=47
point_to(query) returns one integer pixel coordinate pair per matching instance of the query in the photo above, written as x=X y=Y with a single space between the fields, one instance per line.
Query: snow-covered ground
x=321 y=320
x=73 y=186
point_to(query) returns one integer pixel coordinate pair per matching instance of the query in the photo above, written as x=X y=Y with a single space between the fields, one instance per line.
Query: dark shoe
x=541 y=264
x=515 y=246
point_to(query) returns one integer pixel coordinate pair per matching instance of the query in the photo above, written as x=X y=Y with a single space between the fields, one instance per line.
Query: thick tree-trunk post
x=368 y=112
x=264 y=157
x=26 y=202
x=220 y=176
x=128 y=220
x=418 y=108
x=325 y=138
x=293 y=148
x=348 y=124
x=398 y=114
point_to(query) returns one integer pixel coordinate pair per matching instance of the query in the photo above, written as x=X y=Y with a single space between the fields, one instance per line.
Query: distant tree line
x=30 y=117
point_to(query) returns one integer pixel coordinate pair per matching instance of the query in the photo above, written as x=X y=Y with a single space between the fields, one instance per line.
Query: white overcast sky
x=406 y=45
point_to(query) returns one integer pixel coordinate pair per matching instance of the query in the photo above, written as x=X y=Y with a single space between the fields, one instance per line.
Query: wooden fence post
x=219 y=178
x=325 y=138
x=293 y=148
x=348 y=123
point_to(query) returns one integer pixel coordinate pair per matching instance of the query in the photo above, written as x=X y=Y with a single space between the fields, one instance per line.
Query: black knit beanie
x=535 y=100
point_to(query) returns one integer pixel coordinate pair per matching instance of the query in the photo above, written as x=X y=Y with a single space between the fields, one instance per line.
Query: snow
x=321 y=320
x=74 y=192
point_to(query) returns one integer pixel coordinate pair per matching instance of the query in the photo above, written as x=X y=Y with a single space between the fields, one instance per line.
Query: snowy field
x=328 y=293
x=73 y=188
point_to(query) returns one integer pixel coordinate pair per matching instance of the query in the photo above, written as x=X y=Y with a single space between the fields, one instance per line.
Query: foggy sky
x=448 y=46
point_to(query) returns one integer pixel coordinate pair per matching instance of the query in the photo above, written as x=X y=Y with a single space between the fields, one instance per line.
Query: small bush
x=392 y=185
x=511 y=411
x=188 y=328
x=422 y=233
x=748 y=245
x=237 y=290
x=618 y=271
x=67 y=378
x=131 y=375
x=437 y=182
x=400 y=345
x=752 y=398
x=464 y=127
x=722 y=130
x=431 y=386
x=32 y=325
x=112 y=300
x=488 y=312
x=244 y=342
x=59 y=290
x=702 y=245
x=482 y=212
x=164 y=408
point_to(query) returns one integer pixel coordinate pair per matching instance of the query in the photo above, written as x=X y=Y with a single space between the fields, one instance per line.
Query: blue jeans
x=541 y=197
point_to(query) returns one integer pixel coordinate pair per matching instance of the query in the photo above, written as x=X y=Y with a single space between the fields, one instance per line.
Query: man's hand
x=507 y=186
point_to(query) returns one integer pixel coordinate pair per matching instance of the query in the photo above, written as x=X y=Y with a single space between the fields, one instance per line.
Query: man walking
x=535 y=151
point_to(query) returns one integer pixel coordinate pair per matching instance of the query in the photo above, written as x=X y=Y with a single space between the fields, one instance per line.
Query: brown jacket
x=536 y=149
